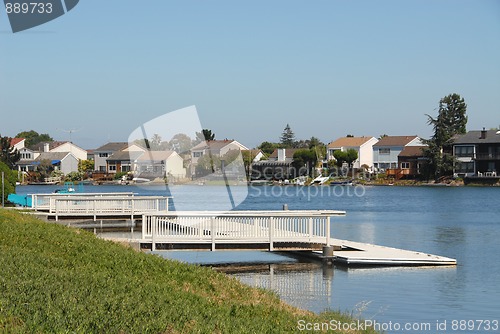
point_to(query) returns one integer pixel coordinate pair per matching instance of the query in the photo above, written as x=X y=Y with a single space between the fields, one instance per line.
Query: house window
x=125 y=168
x=112 y=168
x=102 y=168
x=405 y=165
x=103 y=155
x=384 y=151
x=197 y=154
x=464 y=151
x=465 y=167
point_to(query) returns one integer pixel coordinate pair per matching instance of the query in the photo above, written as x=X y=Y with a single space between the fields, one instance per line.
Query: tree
x=208 y=135
x=451 y=120
x=207 y=164
x=351 y=156
x=32 y=137
x=287 y=138
x=340 y=158
x=268 y=147
x=304 y=158
x=85 y=166
x=181 y=143
x=8 y=154
x=10 y=178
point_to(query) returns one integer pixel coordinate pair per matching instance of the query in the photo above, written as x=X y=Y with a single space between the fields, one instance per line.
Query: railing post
x=133 y=208
x=271 y=233
x=311 y=234
x=143 y=226
x=95 y=209
x=153 y=233
x=212 y=232
x=327 y=230
x=57 y=209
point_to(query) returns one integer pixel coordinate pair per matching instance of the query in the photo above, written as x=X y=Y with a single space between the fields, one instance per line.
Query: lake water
x=457 y=222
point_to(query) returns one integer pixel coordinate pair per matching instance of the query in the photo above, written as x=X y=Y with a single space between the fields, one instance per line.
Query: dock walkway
x=304 y=230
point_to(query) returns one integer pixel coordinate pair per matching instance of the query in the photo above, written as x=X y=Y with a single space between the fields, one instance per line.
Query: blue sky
x=328 y=68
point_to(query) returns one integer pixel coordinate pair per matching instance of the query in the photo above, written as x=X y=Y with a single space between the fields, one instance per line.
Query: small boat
x=342 y=183
x=320 y=180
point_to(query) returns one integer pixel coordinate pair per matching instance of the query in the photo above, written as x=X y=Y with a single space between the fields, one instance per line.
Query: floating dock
x=362 y=254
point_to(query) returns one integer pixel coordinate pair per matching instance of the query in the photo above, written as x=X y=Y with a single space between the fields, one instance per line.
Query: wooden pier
x=98 y=206
x=274 y=231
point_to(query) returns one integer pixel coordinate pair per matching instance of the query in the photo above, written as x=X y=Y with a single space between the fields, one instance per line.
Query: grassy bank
x=55 y=279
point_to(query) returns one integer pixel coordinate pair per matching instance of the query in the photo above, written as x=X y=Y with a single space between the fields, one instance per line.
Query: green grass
x=55 y=279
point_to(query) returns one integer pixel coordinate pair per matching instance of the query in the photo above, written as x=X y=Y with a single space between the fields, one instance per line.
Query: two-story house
x=477 y=153
x=214 y=148
x=386 y=151
x=362 y=145
x=101 y=155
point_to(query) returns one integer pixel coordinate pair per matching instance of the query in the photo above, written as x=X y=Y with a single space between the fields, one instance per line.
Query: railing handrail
x=214 y=227
x=250 y=213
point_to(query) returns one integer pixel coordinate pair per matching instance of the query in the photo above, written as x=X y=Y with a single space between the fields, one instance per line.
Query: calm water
x=462 y=223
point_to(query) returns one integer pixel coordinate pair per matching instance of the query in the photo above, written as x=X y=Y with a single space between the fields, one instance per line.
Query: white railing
x=42 y=201
x=107 y=206
x=238 y=227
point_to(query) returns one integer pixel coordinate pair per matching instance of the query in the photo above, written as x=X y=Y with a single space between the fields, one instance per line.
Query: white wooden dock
x=358 y=253
x=98 y=206
x=271 y=230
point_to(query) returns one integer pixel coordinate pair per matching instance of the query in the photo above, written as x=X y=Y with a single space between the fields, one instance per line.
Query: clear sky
x=328 y=68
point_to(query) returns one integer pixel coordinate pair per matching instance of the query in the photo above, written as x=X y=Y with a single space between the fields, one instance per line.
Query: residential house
x=61 y=146
x=64 y=162
x=386 y=151
x=477 y=154
x=122 y=161
x=277 y=167
x=17 y=143
x=256 y=155
x=362 y=145
x=214 y=148
x=410 y=162
x=152 y=164
x=102 y=153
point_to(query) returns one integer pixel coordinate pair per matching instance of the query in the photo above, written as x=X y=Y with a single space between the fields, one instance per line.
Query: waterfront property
x=386 y=151
x=362 y=145
x=477 y=154
x=278 y=166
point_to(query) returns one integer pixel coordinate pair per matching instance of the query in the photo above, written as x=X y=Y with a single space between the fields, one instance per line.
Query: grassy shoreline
x=55 y=279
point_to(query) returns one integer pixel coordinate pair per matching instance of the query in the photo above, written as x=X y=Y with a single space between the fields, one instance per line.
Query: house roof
x=15 y=141
x=288 y=153
x=112 y=147
x=349 y=142
x=474 y=137
x=395 y=140
x=412 y=151
x=124 y=156
x=52 y=156
x=215 y=145
x=156 y=155
x=41 y=146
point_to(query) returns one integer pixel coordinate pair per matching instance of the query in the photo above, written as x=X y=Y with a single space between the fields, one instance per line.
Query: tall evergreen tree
x=208 y=134
x=287 y=138
x=451 y=120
